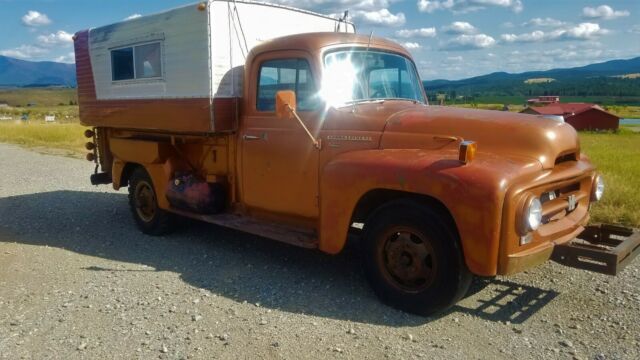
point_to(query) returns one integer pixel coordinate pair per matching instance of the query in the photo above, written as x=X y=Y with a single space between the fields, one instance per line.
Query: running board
x=286 y=234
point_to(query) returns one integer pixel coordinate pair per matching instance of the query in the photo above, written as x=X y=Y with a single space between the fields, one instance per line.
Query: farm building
x=543 y=100
x=581 y=116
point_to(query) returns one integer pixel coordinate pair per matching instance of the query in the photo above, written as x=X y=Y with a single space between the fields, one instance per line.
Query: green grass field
x=617 y=156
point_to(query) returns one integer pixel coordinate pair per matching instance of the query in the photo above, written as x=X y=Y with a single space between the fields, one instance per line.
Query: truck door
x=278 y=160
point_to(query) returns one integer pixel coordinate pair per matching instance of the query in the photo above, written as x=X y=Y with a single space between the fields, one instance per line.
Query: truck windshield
x=353 y=76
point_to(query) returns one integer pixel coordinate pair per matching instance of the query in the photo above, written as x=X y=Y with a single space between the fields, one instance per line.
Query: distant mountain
x=595 y=79
x=15 y=72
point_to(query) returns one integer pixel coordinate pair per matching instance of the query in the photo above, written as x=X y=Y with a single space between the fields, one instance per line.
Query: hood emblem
x=572 y=202
x=348 y=138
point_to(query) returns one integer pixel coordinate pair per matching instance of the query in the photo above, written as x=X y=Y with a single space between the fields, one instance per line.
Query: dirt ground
x=77 y=280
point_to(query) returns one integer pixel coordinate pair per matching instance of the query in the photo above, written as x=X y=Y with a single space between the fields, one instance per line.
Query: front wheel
x=413 y=259
x=143 y=202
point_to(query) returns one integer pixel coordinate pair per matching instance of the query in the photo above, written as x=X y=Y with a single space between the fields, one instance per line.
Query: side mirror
x=285 y=99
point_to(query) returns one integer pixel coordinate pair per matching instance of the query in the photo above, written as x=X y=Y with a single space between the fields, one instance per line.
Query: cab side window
x=286 y=74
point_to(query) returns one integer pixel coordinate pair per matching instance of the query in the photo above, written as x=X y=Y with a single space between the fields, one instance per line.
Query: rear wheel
x=144 y=205
x=413 y=259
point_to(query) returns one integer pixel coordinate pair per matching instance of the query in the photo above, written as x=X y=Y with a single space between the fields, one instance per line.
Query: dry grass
x=539 y=80
x=67 y=139
x=628 y=76
x=63 y=114
x=625 y=112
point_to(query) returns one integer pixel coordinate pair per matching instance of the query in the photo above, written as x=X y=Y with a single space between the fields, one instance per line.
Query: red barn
x=581 y=116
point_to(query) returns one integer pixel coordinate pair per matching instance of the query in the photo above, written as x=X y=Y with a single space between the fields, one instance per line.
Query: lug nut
x=90 y=157
x=89 y=133
x=89 y=146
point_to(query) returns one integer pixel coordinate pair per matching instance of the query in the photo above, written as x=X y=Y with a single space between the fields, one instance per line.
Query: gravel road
x=77 y=280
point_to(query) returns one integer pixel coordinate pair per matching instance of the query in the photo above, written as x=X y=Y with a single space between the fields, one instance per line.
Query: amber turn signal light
x=467 y=151
x=202 y=6
x=89 y=133
x=90 y=157
x=89 y=146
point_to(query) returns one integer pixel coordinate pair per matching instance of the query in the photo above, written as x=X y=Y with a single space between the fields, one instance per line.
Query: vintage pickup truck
x=309 y=134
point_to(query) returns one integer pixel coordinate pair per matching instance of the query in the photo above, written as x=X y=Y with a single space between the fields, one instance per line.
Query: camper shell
x=180 y=70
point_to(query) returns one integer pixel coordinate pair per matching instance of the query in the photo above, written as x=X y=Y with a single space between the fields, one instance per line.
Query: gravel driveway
x=77 y=280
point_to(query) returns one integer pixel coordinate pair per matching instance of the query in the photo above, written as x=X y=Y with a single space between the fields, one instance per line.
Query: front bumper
x=605 y=249
x=561 y=222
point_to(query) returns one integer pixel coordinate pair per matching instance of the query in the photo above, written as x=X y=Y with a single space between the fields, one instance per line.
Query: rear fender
x=153 y=156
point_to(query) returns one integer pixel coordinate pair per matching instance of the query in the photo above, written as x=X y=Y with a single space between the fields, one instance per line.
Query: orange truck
x=310 y=134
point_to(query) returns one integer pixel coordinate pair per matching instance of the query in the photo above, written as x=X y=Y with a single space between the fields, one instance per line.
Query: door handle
x=251 y=137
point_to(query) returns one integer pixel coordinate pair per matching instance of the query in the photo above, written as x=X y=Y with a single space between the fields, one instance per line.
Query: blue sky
x=449 y=39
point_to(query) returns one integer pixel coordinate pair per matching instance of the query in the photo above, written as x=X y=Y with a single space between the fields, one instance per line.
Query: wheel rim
x=409 y=259
x=145 y=201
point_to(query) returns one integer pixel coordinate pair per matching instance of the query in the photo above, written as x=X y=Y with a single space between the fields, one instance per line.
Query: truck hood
x=497 y=132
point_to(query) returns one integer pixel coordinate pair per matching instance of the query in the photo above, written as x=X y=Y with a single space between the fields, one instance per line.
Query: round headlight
x=598 y=189
x=533 y=214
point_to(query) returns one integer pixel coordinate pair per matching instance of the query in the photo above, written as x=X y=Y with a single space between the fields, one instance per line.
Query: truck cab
x=332 y=138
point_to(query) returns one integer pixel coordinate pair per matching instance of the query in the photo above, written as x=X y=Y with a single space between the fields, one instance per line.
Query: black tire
x=143 y=202
x=413 y=259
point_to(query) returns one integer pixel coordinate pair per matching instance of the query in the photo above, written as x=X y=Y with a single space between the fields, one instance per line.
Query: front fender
x=473 y=193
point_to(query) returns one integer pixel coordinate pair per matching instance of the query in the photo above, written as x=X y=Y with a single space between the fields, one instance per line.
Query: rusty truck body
x=310 y=134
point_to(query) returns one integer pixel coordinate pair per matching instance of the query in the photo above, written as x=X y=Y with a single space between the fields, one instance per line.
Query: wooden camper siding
x=184 y=37
x=84 y=76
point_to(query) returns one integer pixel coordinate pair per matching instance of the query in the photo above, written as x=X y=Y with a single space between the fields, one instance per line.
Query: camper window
x=122 y=64
x=136 y=62
x=148 y=61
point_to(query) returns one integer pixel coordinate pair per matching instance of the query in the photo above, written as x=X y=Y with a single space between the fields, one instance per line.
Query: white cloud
x=463 y=6
x=411 y=45
x=544 y=22
x=604 y=12
x=565 y=56
x=635 y=29
x=25 y=52
x=69 y=58
x=34 y=18
x=131 y=17
x=469 y=42
x=460 y=27
x=411 y=33
x=455 y=58
x=380 y=17
x=583 y=31
x=527 y=37
x=58 y=38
